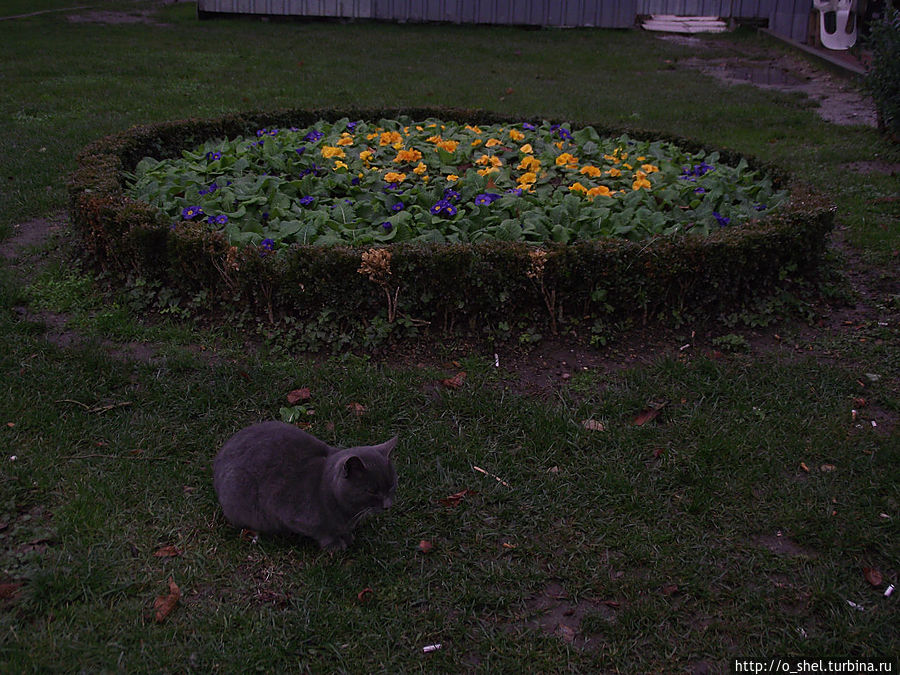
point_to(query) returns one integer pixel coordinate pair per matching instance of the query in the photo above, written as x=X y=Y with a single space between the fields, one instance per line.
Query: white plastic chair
x=842 y=33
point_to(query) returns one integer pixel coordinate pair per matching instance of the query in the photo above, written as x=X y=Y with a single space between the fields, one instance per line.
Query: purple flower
x=386 y=226
x=191 y=212
x=351 y=125
x=700 y=191
x=220 y=219
x=443 y=208
x=486 y=198
x=515 y=191
x=267 y=244
x=399 y=206
x=300 y=150
x=261 y=132
x=208 y=191
x=528 y=126
x=760 y=207
x=562 y=132
x=314 y=136
x=451 y=195
x=308 y=200
x=213 y=156
x=722 y=220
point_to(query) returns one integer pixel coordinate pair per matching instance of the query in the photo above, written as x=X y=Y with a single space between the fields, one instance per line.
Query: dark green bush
x=883 y=77
x=443 y=286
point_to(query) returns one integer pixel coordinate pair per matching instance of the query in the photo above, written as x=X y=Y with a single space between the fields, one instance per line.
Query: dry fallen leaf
x=872 y=575
x=804 y=467
x=455 y=499
x=593 y=425
x=826 y=468
x=425 y=546
x=567 y=633
x=10 y=590
x=456 y=381
x=164 y=604
x=294 y=397
x=356 y=408
x=168 y=552
x=365 y=594
x=648 y=414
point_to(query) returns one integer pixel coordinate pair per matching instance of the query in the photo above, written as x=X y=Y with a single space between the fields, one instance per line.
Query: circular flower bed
x=360 y=183
x=479 y=222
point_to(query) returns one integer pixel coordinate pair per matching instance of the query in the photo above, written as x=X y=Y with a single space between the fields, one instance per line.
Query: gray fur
x=274 y=478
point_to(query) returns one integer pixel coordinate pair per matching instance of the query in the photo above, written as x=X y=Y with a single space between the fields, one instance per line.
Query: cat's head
x=368 y=480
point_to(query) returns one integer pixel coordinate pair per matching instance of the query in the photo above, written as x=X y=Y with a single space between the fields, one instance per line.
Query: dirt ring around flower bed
x=443 y=286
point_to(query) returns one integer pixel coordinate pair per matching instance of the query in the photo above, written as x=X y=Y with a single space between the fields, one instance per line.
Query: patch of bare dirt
x=553 y=612
x=114 y=18
x=839 y=100
x=30 y=234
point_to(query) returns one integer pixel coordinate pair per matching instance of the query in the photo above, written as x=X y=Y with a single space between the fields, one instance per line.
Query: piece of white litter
x=873 y=423
x=488 y=473
x=496 y=360
x=13 y=458
x=855 y=606
x=888 y=591
x=431 y=648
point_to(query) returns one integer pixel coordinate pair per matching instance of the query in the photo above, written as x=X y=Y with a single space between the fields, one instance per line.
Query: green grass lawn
x=738 y=523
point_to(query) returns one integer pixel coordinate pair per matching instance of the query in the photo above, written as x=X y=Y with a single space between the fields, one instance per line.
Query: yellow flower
x=390 y=138
x=526 y=149
x=366 y=155
x=628 y=166
x=493 y=142
x=516 y=135
x=485 y=171
x=601 y=190
x=433 y=139
x=578 y=187
x=568 y=160
x=642 y=159
x=338 y=164
x=452 y=178
x=649 y=168
x=469 y=127
x=420 y=169
x=331 y=151
x=527 y=178
x=346 y=139
x=614 y=172
x=477 y=142
x=407 y=156
x=394 y=177
x=612 y=158
x=591 y=170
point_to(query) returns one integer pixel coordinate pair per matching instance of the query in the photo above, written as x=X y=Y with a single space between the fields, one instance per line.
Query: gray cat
x=276 y=479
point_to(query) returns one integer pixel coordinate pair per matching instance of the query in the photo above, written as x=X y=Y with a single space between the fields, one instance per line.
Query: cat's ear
x=353 y=466
x=386 y=447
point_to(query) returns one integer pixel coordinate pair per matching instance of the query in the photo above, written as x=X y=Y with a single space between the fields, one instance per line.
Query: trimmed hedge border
x=444 y=285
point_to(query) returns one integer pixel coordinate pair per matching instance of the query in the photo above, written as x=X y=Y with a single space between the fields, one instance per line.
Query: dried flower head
x=538 y=260
x=376 y=264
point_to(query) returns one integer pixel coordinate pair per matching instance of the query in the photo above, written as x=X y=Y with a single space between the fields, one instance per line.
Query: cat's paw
x=336 y=543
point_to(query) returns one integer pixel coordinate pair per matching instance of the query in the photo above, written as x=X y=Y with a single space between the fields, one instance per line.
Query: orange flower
x=649 y=168
x=614 y=173
x=530 y=163
x=484 y=160
x=346 y=139
x=390 y=138
x=601 y=190
x=420 y=169
x=407 y=156
x=449 y=146
x=394 y=177
x=591 y=170
x=493 y=142
x=516 y=135
x=640 y=181
x=568 y=160
x=578 y=187
x=330 y=151
x=526 y=149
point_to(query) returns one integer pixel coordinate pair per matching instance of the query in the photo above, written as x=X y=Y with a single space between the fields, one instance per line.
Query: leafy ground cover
x=668 y=504
x=360 y=182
